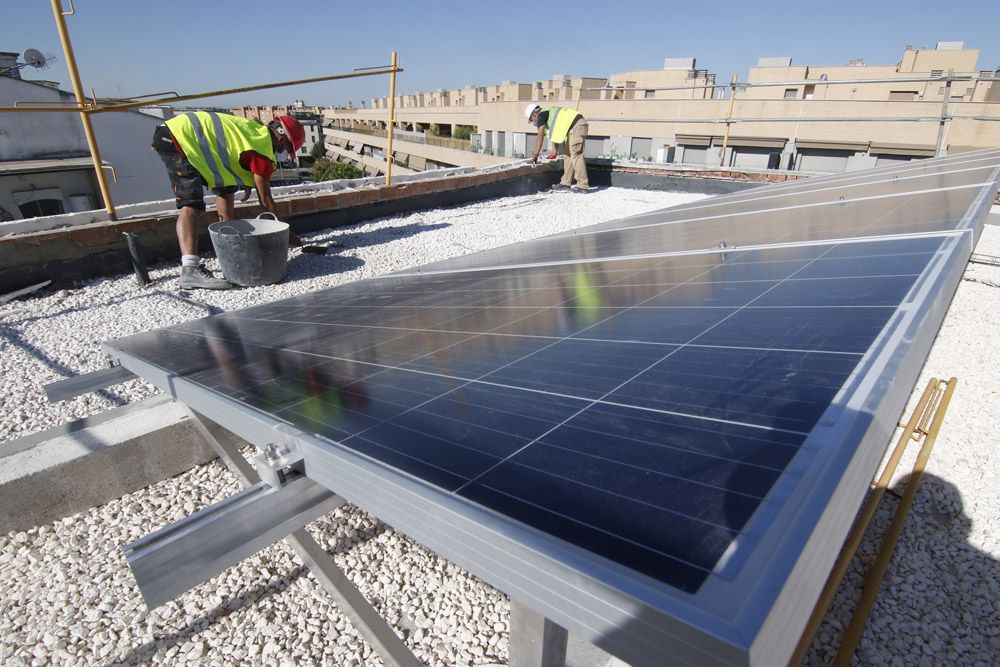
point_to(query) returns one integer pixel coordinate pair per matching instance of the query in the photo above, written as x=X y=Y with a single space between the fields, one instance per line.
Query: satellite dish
x=34 y=58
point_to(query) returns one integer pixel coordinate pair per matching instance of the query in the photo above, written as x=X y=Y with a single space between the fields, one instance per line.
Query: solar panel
x=655 y=431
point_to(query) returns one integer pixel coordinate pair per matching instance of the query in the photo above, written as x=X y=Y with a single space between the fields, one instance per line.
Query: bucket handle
x=232 y=231
x=268 y=213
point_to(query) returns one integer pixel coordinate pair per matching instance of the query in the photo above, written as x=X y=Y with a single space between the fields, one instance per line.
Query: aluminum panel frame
x=623 y=612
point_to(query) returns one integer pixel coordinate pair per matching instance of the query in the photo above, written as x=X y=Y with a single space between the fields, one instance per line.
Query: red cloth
x=256 y=163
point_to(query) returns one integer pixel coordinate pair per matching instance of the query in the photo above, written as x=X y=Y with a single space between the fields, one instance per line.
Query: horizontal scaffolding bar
x=244 y=89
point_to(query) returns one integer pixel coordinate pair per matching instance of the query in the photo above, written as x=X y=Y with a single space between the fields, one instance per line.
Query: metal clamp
x=281 y=461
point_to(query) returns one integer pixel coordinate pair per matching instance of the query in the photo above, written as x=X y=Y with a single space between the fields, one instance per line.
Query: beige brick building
x=783 y=116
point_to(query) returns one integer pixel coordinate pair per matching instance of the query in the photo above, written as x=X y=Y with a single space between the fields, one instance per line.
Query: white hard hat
x=530 y=109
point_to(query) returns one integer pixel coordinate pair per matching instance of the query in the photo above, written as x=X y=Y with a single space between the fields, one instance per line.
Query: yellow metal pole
x=857 y=533
x=852 y=636
x=174 y=98
x=729 y=118
x=88 y=130
x=392 y=121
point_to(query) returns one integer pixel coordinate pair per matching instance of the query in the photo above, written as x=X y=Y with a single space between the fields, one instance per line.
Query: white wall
x=14 y=190
x=37 y=136
x=123 y=139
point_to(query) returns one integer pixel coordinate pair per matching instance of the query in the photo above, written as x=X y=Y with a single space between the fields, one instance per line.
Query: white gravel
x=67 y=597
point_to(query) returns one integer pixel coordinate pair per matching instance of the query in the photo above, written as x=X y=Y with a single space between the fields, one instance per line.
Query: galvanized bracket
x=86 y=383
x=223 y=523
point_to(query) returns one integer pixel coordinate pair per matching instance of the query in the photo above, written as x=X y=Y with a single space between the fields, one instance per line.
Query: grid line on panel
x=606 y=396
x=500 y=385
x=679 y=253
x=466 y=381
x=805 y=186
x=794 y=207
x=658 y=473
x=640 y=545
x=801 y=187
x=633 y=499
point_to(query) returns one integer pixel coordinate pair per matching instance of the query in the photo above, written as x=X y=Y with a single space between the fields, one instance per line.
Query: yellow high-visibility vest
x=557 y=127
x=213 y=142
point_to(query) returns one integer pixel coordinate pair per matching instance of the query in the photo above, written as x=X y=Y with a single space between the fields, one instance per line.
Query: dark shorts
x=187 y=183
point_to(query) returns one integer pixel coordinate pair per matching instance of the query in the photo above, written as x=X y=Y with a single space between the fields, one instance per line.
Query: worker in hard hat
x=562 y=125
x=226 y=153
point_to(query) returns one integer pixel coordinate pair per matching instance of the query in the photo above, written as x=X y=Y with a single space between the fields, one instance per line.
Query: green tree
x=464 y=131
x=318 y=150
x=326 y=169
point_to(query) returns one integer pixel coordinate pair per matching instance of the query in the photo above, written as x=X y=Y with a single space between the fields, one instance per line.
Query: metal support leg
x=535 y=641
x=362 y=615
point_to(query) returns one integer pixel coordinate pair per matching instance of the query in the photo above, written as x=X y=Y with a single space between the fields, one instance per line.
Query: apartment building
x=782 y=116
x=310 y=118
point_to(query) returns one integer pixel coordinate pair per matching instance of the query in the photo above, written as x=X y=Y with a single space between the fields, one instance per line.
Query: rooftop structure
x=814 y=119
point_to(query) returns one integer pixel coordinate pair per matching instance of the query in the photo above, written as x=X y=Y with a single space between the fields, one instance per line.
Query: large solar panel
x=655 y=431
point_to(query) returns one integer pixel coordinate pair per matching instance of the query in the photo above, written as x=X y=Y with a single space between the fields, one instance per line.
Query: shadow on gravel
x=164 y=641
x=940 y=587
x=307 y=267
x=16 y=340
x=384 y=235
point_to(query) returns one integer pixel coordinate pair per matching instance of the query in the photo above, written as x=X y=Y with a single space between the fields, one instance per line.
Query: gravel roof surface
x=67 y=596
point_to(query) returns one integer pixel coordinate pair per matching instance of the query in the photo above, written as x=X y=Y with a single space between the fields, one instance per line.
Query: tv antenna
x=32 y=58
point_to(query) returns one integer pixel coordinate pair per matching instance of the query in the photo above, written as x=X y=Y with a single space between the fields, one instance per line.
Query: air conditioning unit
x=81 y=202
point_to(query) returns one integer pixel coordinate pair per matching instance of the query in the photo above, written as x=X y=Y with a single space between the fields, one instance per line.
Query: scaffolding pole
x=81 y=100
x=392 y=120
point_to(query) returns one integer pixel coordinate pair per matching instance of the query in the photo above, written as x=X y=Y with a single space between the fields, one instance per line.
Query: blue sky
x=135 y=47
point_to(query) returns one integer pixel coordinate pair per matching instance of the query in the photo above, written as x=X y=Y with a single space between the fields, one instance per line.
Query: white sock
x=190 y=260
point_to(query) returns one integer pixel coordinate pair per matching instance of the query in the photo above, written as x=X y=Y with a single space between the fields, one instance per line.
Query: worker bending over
x=226 y=153
x=562 y=125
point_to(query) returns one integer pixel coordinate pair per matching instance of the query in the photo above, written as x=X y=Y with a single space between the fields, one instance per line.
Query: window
x=936 y=73
x=810 y=92
x=650 y=94
x=902 y=95
x=39 y=202
x=791 y=93
x=39 y=207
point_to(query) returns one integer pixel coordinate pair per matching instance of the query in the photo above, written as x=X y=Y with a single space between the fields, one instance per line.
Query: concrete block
x=73 y=468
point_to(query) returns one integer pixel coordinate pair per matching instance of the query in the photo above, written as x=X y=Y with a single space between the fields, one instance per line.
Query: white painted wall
x=37 y=136
x=123 y=139
x=19 y=189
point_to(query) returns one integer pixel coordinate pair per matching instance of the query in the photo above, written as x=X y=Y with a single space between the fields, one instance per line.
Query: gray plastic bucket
x=251 y=252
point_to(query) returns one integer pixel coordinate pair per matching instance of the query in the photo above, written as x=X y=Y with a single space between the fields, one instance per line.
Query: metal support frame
x=349 y=599
x=924 y=423
x=86 y=383
x=534 y=639
x=180 y=556
x=176 y=558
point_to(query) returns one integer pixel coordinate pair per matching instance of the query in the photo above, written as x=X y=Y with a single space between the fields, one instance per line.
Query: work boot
x=559 y=186
x=198 y=277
